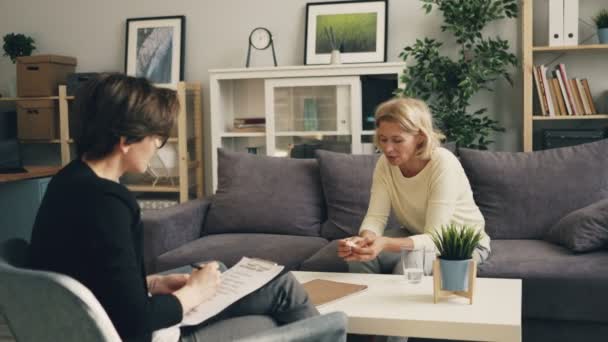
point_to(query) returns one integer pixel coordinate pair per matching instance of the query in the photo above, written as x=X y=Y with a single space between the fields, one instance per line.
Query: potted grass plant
x=601 y=21
x=334 y=44
x=455 y=245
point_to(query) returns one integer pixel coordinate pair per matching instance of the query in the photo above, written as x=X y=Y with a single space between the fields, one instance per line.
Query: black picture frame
x=156 y=34
x=356 y=51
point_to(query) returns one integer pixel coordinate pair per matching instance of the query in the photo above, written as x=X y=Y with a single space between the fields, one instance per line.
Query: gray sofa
x=293 y=210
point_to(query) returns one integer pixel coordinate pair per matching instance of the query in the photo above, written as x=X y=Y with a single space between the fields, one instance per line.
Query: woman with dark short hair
x=89 y=225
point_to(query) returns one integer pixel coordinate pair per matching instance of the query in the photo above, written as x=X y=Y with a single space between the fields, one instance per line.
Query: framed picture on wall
x=155 y=49
x=358 y=28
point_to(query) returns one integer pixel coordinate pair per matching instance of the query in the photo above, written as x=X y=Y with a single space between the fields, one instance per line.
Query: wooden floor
x=5 y=333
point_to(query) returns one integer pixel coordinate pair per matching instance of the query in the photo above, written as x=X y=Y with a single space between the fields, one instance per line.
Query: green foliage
x=601 y=19
x=17 y=45
x=456 y=242
x=447 y=84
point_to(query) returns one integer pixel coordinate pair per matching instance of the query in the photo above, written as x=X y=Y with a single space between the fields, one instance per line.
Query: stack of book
x=561 y=95
x=249 y=124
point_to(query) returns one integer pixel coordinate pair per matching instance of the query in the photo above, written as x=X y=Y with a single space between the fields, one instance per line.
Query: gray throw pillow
x=583 y=230
x=347 y=181
x=523 y=194
x=260 y=194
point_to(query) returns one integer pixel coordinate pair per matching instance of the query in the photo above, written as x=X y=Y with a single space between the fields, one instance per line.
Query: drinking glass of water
x=416 y=263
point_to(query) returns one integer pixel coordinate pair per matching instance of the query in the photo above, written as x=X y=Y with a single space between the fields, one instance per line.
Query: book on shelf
x=569 y=92
x=557 y=92
x=589 y=96
x=322 y=291
x=540 y=89
x=583 y=96
x=577 y=97
x=249 y=125
x=248 y=129
x=546 y=89
x=250 y=121
x=564 y=94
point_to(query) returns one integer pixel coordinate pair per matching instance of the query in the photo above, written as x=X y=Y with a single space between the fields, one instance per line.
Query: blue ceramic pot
x=454 y=274
x=602 y=35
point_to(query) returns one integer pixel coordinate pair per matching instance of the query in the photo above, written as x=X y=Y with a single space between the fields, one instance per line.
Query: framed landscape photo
x=357 y=27
x=155 y=49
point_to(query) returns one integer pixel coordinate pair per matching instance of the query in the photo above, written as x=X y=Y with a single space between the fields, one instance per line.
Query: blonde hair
x=414 y=117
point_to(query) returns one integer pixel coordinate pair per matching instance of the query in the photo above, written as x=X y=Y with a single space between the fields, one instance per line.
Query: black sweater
x=90 y=229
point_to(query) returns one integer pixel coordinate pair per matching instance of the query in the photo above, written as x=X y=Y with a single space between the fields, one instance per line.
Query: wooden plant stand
x=439 y=293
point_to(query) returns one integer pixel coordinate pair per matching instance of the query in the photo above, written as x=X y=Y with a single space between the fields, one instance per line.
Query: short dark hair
x=112 y=106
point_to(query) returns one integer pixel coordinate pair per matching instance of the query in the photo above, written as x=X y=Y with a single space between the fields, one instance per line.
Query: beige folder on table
x=324 y=291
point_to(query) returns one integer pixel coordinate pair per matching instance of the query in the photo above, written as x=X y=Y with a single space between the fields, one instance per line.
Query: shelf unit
x=300 y=105
x=64 y=138
x=529 y=51
x=188 y=140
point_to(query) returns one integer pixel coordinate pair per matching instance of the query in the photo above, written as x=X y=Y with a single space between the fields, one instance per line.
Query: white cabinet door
x=306 y=113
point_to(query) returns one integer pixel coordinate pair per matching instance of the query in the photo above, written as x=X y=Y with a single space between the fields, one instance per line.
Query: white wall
x=217 y=33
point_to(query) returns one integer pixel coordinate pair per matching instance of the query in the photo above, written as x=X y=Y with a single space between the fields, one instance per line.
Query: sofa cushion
x=522 y=195
x=347 y=181
x=582 y=230
x=557 y=284
x=259 y=194
x=287 y=250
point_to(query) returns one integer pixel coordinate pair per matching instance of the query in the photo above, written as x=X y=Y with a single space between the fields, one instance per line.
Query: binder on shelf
x=556 y=23
x=570 y=22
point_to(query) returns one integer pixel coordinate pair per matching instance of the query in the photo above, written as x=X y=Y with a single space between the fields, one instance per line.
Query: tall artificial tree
x=448 y=84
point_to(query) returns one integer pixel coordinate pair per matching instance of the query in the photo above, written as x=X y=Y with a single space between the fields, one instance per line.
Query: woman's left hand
x=167 y=284
x=370 y=252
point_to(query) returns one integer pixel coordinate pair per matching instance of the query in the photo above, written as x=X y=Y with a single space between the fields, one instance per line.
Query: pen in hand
x=197 y=266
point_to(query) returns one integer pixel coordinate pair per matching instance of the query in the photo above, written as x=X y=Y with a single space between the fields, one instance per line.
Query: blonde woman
x=423 y=183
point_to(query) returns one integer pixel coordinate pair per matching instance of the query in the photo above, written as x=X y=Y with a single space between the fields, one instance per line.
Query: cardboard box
x=40 y=75
x=37 y=119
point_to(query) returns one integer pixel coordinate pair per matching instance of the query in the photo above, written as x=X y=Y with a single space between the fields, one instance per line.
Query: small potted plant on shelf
x=455 y=245
x=16 y=45
x=601 y=21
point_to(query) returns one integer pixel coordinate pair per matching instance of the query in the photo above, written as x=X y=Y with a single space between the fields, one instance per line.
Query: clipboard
x=322 y=291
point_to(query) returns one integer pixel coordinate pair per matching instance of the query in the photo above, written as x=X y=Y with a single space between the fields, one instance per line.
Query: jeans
x=330 y=327
x=284 y=301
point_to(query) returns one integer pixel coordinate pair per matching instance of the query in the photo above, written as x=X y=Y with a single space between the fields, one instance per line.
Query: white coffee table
x=390 y=306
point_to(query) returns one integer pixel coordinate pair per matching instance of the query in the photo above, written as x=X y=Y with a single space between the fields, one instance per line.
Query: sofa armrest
x=167 y=229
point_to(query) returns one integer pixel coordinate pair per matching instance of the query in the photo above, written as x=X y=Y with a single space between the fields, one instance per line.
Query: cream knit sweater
x=438 y=195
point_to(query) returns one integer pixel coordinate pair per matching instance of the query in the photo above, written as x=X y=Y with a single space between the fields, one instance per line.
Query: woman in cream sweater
x=423 y=183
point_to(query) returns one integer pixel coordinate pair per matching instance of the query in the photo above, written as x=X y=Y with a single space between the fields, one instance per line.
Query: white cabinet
x=290 y=111
x=316 y=108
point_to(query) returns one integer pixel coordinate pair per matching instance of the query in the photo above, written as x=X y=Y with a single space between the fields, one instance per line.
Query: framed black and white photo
x=155 y=49
x=358 y=28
